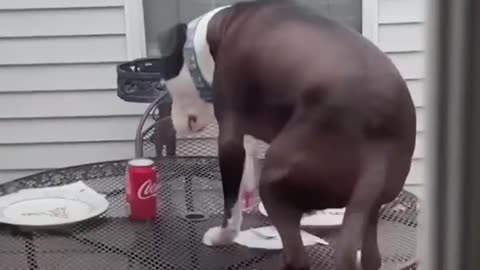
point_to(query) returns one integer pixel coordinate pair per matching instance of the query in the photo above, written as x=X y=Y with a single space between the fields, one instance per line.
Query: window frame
x=135 y=26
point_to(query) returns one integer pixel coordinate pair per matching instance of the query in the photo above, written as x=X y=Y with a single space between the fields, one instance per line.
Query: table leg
x=164 y=111
x=164 y=136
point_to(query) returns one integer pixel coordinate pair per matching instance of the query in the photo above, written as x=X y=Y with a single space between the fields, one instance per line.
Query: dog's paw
x=218 y=236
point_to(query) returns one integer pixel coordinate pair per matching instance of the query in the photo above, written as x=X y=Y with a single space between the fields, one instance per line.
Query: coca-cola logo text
x=147 y=189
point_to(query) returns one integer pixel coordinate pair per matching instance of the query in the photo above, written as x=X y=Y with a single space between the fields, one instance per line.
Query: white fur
x=251 y=171
x=218 y=236
x=223 y=236
x=202 y=49
x=186 y=101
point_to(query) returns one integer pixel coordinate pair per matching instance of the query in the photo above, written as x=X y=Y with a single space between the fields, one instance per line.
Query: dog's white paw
x=218 y=236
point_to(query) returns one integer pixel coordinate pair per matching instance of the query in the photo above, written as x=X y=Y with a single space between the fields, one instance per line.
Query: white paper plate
x=328 y=217
x=50 y=208
x=268 y=238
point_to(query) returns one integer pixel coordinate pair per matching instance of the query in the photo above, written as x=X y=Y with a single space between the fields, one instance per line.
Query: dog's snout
x=192 y=120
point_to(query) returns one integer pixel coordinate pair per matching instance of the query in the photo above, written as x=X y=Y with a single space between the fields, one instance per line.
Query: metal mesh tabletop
x=172 y=241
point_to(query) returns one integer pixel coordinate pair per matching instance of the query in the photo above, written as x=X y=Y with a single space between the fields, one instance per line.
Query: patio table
x=173 y=241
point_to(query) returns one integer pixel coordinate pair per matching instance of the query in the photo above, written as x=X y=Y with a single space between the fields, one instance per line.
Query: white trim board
x=135 y=26
x=135 y=29
x=370 y=20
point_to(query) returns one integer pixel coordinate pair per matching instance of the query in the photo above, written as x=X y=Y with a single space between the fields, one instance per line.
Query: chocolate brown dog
x=337 y=114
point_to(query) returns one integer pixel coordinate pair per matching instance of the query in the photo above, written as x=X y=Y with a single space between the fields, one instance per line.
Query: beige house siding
x=58 y=103
x=401 y=34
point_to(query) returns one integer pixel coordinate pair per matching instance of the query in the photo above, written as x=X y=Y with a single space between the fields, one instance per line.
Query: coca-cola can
x=141 y=189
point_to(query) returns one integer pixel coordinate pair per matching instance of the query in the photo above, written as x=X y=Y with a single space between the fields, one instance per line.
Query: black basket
x=140 y=80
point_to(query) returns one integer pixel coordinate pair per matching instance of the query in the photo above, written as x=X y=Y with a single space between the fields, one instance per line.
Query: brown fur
x=336 y=112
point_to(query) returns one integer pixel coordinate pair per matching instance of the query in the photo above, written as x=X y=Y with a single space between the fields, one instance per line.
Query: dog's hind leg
x=285 y=217
x=371 y=259
x=350 y=239
x=364 y=203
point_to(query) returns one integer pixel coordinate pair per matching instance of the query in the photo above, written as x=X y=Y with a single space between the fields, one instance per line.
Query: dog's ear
x=173 y=39
x=171 y=46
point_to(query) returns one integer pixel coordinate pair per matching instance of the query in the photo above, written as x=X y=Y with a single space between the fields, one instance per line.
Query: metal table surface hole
x=195 y=216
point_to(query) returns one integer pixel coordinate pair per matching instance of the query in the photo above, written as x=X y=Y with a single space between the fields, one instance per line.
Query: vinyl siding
x=62 y=50
x=65 y=104
x=68 y=129
x=68 y=22
x=401 y=34
x=58 y=103
x=58 y=4
x=47 y=77
x=38 y=156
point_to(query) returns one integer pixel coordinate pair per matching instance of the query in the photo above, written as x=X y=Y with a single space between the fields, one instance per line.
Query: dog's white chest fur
x=202 y=49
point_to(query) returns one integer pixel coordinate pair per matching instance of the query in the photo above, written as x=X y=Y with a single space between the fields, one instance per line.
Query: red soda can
x=141 y=189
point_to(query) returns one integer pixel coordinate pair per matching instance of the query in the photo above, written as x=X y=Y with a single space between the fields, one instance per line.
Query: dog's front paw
x=218 y=236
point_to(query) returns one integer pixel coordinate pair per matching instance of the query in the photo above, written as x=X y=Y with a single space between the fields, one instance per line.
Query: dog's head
x=190 y=113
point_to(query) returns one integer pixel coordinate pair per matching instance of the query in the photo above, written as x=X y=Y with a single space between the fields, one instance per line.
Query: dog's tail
x=365 y=200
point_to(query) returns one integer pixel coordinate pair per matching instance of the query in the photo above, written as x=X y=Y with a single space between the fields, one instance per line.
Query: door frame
x=135 y=26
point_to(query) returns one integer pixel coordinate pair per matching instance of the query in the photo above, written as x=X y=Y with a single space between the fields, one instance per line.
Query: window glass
x=162 y=14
